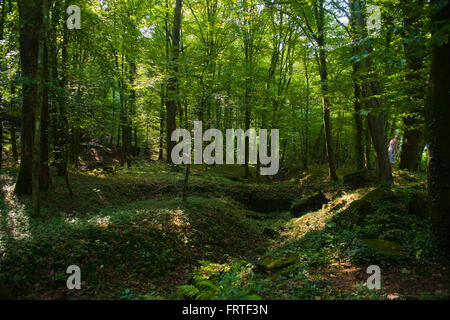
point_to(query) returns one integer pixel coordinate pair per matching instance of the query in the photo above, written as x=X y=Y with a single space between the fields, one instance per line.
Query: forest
x=224 y=149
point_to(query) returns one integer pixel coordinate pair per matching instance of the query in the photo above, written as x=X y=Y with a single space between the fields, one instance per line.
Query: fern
x=221 y=281
x=188 y=291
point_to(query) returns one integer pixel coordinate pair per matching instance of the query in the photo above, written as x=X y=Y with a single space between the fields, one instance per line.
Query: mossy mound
x=154 y=237
x=310 y=203
x=385 y=247
x=272 y=263
x=359 y=209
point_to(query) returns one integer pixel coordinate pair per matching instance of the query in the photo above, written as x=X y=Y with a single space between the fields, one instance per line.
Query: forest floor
x=134 y=238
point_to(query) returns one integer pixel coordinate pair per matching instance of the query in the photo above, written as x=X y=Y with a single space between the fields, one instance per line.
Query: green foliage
x=128 y=295
x=228 y=281
x=241 y=64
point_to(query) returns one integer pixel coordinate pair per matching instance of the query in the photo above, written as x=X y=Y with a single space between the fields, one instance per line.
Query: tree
x=41 y=96
x=438 y=117
x=172 y=88
x=415 y=56
x=30 y=15
x=371 y=92
x=319 y=36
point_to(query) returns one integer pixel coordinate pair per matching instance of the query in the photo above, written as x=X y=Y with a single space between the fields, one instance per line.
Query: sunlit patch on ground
x=132 y=226
x=179 y=219
x=15 y=221
x=298 y=227
x=102 y=222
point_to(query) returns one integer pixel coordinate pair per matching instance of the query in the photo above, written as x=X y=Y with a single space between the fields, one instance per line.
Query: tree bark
x=357 y=117
x=37 y=142
x=323 y=70
x=415 y=53
x=367 y=149
x=306 y=145
x=30 y=20
x=172 y=93
x=45 y=180
x=438 y=117
x=161 y=124
x=371 y=92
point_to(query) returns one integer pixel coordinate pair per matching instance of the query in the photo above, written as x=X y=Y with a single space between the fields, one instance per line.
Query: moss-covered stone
x=359 y=209
x=382 y=192
x=271 y=263
x=310 y=203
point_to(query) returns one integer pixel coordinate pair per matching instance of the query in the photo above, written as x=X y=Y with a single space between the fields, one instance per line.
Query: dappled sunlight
x=317 y=220
x=103 y=222
x=72 y=221
x=179 y=219
x=15 y=221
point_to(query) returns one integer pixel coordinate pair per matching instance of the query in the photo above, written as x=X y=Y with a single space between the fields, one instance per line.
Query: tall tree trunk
x=45 y=180
x=248 y=52
x=357 y=117
x=411 y=146
x=75 y=145
x=124 y=117
x=357 y=94
x=12 y=118
x=161 y=124
x=367 y=149
x=323 y=70
x=306 y=151
x=247 y=126
x=172 y=94
x=131 y=110
x=187 y=172
x=59 y=121
x=315 y=150
x=63 y=123
x=36 y=173
x=415 y=53
x=371 y=91
x=13 y=125
x=30 y=20
x=438 y=118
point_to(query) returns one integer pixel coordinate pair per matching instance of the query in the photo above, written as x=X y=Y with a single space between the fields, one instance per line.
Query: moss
x=312 y=202
x=359 y=209
x=378 y=194
x=385 y=247
x=271 y=263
